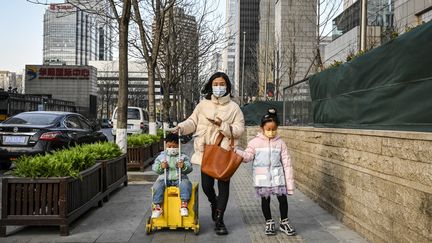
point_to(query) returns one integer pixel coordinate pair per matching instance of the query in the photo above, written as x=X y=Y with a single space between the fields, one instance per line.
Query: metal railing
x=297 y=104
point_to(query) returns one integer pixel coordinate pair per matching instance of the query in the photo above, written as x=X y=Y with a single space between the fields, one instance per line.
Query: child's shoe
x=270 y=227
x=184 y=212
x=286 y=227
x=157 y=211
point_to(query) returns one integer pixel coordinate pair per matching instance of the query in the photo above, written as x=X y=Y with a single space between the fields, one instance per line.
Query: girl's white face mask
x=172 y=151
x=219 y=91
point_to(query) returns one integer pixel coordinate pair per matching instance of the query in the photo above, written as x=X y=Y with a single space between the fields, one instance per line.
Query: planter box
x=138 y=157
x=114 y=174
x=161 y=145
x=155 y=149
x=50 y=201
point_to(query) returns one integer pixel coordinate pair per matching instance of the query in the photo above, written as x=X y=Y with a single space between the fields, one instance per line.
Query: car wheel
x=5 y=165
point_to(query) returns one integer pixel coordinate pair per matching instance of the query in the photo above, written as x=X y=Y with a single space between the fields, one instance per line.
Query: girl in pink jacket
x=272 y=171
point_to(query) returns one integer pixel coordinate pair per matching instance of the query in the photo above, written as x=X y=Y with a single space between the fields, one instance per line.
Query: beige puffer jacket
x=205 y=132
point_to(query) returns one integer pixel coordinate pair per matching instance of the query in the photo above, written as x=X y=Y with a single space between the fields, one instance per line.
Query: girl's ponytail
x=271 y=116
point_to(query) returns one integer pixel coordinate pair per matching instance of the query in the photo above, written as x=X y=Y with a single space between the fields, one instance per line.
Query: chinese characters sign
x=54 y=72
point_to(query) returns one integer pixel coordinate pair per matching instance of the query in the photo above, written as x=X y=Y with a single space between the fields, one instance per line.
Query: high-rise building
x=347 y=3
x=295 y=40
x=346 y=29
x=74 y=36
x=108 y=83
x=8 y=79
x=229 y=53
x=247 y=36
x=216 y=64
x=180 y=34
x=408 y=14
x=266 y=51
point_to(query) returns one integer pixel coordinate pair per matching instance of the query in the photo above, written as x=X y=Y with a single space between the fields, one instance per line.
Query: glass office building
x=74 y=37
x=380 y=13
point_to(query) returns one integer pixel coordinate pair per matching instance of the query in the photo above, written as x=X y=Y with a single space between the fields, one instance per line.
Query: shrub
x=140 y=140
x=159 y=133
x=155 y=138
x=66 y=162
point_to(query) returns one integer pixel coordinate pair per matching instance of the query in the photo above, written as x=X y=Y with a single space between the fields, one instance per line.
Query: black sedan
x=37 y=132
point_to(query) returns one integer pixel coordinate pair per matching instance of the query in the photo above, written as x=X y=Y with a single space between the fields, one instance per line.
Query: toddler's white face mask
x=172 y=151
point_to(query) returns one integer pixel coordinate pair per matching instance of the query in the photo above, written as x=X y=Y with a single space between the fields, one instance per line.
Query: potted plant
x=56 y=188
x=114 y=165
x=139 y=152
x=155 y=145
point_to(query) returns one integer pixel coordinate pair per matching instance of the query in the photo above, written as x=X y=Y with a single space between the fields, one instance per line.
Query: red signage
x=64 y=73
x=61 y=7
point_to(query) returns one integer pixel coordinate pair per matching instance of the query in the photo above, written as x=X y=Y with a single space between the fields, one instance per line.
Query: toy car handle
x=179 y=154
x=179 y=157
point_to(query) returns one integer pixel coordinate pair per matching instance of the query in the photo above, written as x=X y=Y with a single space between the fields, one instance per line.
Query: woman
x=216 y=113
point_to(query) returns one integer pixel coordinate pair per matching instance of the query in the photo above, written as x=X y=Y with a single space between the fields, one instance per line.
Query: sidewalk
x=123 y=219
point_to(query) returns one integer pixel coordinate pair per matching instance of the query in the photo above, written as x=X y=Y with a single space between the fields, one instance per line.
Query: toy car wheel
x=196 y=230
x=149 y=227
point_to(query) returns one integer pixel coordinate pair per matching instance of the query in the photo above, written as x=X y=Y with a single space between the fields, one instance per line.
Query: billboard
x=42 y=72
x=61 y=7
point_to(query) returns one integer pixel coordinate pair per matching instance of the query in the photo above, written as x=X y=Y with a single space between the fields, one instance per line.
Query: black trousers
x=221 y=200
x=283 y=207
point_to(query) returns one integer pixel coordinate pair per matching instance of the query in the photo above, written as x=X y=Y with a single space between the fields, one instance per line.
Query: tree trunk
x=151 y=99
x=175 y=103
x=166 y=104
x=121 y=132
x=102 y=102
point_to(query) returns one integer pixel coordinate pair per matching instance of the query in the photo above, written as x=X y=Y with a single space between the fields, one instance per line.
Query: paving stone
x=123 y=219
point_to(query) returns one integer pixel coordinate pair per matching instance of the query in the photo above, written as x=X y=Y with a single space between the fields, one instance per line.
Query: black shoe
x=286 y=227
x=270 y=227
x=220 y=228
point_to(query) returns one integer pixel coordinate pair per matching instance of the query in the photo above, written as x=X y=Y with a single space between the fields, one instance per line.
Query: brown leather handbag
x=218 y=162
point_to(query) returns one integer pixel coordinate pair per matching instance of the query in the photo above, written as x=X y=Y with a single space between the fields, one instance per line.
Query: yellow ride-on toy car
x=171 y=219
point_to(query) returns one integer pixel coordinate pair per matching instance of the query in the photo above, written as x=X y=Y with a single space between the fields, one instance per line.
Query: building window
x=425 y=17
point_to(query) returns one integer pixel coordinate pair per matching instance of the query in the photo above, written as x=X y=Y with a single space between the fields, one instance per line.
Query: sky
x=21 y=33
x=21 y=38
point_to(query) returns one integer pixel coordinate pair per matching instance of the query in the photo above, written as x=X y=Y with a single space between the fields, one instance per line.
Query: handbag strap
x=221 y=136
x=219 y=139
x=232 y=137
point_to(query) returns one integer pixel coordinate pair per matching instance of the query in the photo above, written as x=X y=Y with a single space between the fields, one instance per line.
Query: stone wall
x=376 y=182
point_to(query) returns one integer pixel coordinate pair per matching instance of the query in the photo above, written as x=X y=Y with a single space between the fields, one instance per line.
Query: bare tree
x=190 y=36
x=147 y=42
x=122 y=19
x=106 y=87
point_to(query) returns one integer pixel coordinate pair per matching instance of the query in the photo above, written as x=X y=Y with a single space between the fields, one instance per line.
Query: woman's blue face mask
x=219 y=91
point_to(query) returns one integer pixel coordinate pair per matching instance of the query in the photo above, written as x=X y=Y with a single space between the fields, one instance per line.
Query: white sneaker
x=157 y=212
x=184 y=212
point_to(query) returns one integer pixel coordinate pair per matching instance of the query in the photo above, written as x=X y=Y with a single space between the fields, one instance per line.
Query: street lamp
x=243 y=63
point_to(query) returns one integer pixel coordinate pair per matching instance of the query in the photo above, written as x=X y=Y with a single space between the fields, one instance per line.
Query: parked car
x=106 y=123
x=137 y=121
x=31 y=133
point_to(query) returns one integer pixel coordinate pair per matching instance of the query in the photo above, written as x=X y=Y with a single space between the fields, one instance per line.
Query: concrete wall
x=410 y=13
x=376 y=182
x=349 y=43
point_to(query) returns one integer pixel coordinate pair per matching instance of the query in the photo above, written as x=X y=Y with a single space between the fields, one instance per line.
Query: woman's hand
x=216 y=122
x=174 y=130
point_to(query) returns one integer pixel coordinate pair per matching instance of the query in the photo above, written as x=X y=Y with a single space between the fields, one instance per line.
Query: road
x=107 y=132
